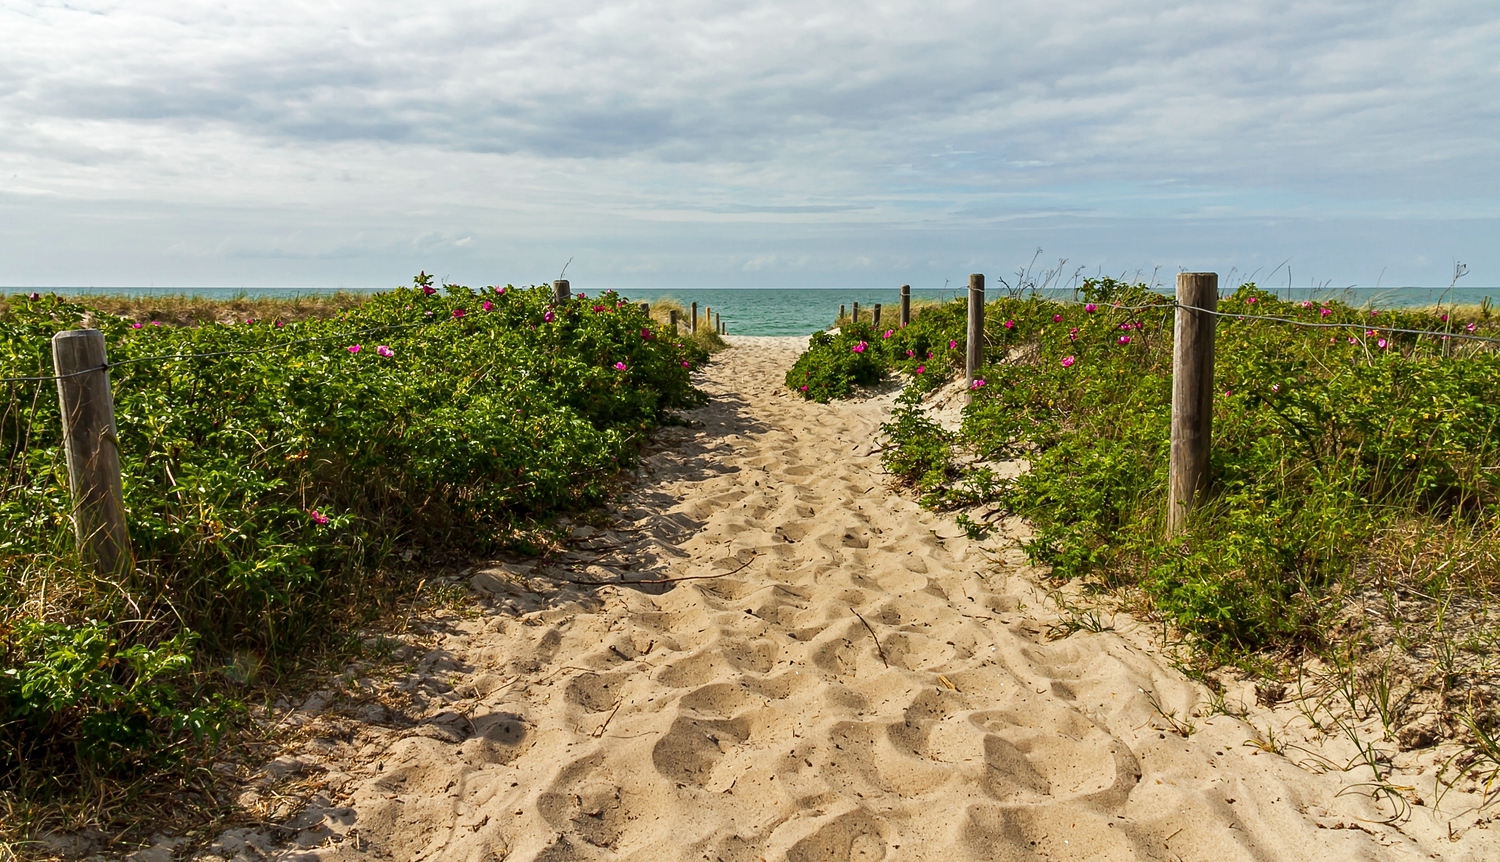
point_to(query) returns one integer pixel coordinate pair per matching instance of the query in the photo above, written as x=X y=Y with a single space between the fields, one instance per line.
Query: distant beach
x=798 y=310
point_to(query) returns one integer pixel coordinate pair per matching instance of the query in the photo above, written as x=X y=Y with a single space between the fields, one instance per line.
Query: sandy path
x=751 y=716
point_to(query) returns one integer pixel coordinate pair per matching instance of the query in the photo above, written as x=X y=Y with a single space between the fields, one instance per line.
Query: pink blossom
x=1381 y=344
x=317 y=517
x=802 y=388
x=1275 y=387
x=921 y=368
x=487 y=305
x=619 y=366
x=910 y=353
x=549 y=316
x=646 y=334
x=429 y=289
x=1443 y=318
x=860 y=347
x=597 y=308
x=156 y=323
x=1471 y=327
x=136 y=325
x=888 y=333
x=279 y=324
x=929 y=354
x=685 y=363
x=952 y=345
x=1057 y=318
x=1073 y=334
x=977 y=384
x=499 y=291
x=1324 y=312
x=1353 y=340
x=34 y=296
x=1251 y=300
x=1307 y=303
x=1067 y=362
x=353 y=348
x=1091 y=308
x=1374 y=313
x=1124 y=339
x=458 y=314
x=382 y=350
x=581 y=295
x=1010 y=324
x=249 y=321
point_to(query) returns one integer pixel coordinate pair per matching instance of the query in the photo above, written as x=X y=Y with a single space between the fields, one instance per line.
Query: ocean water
x=801 y=311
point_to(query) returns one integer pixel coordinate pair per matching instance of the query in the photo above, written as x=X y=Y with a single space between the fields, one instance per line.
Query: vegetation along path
x=832 y=673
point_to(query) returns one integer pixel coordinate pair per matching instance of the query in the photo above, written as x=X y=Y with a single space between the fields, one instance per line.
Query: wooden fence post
x=93 y=452
x=876 y=318
x=693 y=328
x=905 y=305
x=561 y=291
x=646 y=308
x=673 y=315
x=974 y=355
x=855 y=315
x=842 y=311
x=1192 y=394
x=718 y=325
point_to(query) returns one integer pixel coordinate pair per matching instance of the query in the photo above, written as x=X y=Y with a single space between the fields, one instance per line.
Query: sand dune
x=838 y=675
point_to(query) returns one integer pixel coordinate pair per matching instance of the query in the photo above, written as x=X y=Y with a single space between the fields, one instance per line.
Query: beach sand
x=844 y=677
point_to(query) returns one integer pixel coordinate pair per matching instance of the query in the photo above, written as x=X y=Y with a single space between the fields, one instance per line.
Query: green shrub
x=268 y=478
x=1321 y=439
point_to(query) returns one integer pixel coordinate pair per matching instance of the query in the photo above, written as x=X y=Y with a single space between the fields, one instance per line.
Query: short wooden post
x=718 y=325
x=646 y=308
x=92 y=451
x=974 y=355
x=855 y=316
x=843 y=310
x=905 y=305
x=876 y=318
x=673 y=315
x=693 y=327
x=1192 y=394
x=561 y=291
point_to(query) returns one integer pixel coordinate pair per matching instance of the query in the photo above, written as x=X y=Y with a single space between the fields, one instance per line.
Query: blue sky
x=728 y=143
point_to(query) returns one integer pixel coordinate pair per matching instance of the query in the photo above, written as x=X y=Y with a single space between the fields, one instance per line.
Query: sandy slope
x=749 y=714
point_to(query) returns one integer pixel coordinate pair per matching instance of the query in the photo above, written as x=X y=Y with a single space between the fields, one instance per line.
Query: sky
x=725 y=143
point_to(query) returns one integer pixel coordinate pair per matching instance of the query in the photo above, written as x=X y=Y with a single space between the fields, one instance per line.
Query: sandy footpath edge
x=834 y=674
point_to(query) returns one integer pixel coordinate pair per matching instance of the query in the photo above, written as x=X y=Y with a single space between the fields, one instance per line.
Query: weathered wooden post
x=974 y=355
x=842 y=311
x=646 y=308
x=673 y=316
x=92 y=450
x=718 y=325
x=1192 y=394
x=694 y=327
x=876 y=318
x=905 y=305
x=855 y=315
x=561 y=291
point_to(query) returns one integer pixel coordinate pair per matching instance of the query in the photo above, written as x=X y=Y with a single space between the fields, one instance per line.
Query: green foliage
x=1321 y=438
x=267 y=483
x=836 y=362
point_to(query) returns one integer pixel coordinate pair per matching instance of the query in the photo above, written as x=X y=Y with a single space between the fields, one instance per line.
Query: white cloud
x=262 y=136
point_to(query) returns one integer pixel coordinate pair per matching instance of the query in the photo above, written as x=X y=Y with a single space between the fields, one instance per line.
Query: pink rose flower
x=353 y=348
x=1067 y=362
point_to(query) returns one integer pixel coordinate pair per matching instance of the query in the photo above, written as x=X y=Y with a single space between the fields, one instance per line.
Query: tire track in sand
x=750 y=715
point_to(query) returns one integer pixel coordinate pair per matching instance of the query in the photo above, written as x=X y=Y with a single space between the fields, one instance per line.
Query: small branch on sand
x=647 y=581
x=878 y=647
x=599 y=731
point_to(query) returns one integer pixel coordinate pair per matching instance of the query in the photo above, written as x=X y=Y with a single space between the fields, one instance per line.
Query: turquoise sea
x=800 y=311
